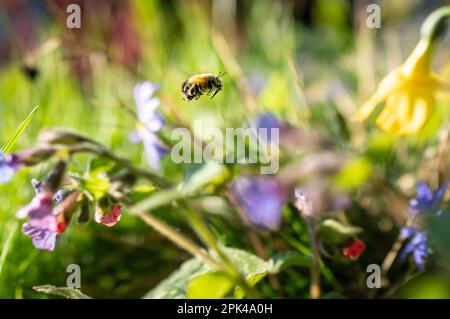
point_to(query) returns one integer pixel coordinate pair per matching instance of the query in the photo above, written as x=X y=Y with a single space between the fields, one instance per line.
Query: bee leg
x=215 y=93
x=209 y=92
x=198 y=92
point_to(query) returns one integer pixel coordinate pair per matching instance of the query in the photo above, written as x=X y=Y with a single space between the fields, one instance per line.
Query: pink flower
x=111 y=218
x=42 y=225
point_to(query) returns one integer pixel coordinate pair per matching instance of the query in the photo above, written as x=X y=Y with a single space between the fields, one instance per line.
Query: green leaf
x=141 y=192
x=353 y=174
x=438 y=229
x=287 y=259
x=252 y=280
x=380 y=147
x=96 y=185
x=209 y=172
x=18 y=131
x=212 y=285
x=214 y=205
x=69 y=293
x=190 y=186
x=333 y=232
x=174 y=287
x=100 y=165
x=425 y=286
x=251 y=267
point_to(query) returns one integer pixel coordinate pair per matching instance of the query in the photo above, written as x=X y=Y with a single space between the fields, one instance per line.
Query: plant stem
x=208 y=238
x=433 y=26
x=314 y=288
x=103 y=151
x=389 y=260
x=179 y=239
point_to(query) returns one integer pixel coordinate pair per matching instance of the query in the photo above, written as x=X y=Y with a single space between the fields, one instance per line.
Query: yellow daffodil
x=408 y=90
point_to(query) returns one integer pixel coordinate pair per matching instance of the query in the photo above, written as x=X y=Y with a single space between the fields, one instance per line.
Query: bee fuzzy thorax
x=202 y=84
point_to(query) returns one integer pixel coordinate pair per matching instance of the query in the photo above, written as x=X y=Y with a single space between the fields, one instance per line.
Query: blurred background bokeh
x=79 y=77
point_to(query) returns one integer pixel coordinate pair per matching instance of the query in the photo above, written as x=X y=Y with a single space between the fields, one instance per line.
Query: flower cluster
x=426 y=202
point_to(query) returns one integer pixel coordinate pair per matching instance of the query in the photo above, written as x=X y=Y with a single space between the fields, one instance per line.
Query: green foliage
x=353 y=174
x=252 y=267
x=335 y=233
x=212 y=285
x=338 y=67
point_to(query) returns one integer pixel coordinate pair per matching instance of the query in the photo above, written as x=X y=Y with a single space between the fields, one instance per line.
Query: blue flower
x=261 y=199
x=8 y=166
x=149 y=122
x=60 y=195
x=417 y=245
x=267 y=121
x=427 y=200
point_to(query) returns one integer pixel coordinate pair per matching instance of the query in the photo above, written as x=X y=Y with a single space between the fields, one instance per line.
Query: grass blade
x=7 y=244
x=18 y=131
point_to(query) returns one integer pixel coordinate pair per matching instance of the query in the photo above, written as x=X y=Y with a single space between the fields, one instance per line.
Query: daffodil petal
x=441 y=84
x=392 y=116
x=388 y=85
x=418 y=62
x=421 y=112
x=405 y=112
x=367 y=108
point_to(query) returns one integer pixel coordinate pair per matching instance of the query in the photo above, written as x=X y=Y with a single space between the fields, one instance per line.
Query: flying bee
x=198 y=84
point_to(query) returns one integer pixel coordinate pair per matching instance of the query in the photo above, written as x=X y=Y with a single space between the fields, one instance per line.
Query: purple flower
x=149 y=123
x=417 y=245
x=43 y=238
x=261 y=199
x=42 y=225
x=60 y=195
x=427 y=200
x=267 y=121
x=8 y=166
x=37 y=185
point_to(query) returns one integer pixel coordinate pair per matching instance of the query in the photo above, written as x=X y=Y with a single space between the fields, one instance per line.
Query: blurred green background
x=78 y=84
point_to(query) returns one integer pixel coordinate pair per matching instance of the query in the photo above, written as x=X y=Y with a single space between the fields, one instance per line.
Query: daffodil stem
x=434 y=25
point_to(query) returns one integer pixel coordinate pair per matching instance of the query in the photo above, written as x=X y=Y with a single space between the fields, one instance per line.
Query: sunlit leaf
x=212 y=285
x=355 y=172
x=69 y=293
x=334 y=232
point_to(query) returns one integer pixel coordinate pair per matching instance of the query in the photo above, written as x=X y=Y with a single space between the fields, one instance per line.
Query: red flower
x=354 y=249
x=111 y=218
